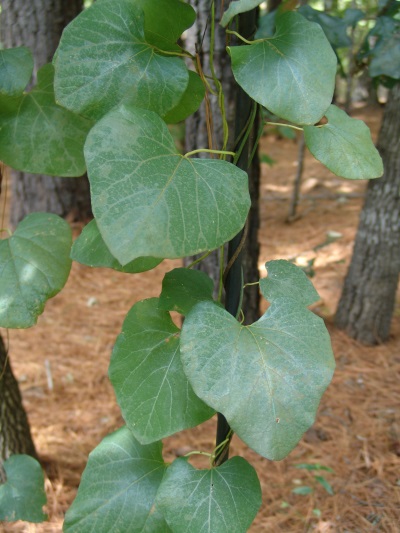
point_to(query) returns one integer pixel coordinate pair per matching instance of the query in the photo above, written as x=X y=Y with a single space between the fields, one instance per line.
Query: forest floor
x=61 y=365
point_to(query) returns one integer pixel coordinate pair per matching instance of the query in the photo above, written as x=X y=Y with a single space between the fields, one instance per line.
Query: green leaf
x=385 y=55
x=223 y=499
x=90 y=249
x=190 y=101
x=353 y=15
x=163 y=31
x=16 y=66
x=146 y=372
x=34 y=266
x=303 y=490
x=286 y=279
x=334 y=28
x=313 y=467
x=298 y=61
x=237 y=7
x=118 y=488
x=344 y=145
x=266 y=379
x=22 y=496
x=149 y=200
x=38 y=136
x=327 y=486
x=183 y=288
x=104 y=58
x=266 y=25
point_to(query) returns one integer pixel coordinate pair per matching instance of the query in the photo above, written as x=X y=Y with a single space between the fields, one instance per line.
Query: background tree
x=15 y=435
x=367 y=302
x=38 y=24
x=200 y=132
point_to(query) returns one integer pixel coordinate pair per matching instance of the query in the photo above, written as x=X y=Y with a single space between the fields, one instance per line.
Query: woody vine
x=117 y=79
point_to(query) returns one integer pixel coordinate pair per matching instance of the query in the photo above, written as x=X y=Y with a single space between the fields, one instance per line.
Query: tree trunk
x=199 y=37
x=15 y=434
x=38 y=24
x=367 y=302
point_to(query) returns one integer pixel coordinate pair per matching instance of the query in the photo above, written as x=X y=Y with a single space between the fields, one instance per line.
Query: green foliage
x=120 y=73
x=266 y=379
x=149 y=200
x=118 y=488
x=284 y=279
x=344 y=145
x=237 y=7
x=182 y=289
x=316 y=479
x=385 y=55
x=335 y=28
x=297 y=60
x=16 y=66
x=146 y=372
x=104 y=58
x=190 y=101
x=37 y=135
x=90 y=249
x=35 y=265
x=224 y=499
x=22 y=496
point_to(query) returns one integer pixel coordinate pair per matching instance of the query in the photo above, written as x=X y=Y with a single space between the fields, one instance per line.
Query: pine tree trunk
x=38 y=24
x=196 y=137
x=15 y=434
x=367 y=302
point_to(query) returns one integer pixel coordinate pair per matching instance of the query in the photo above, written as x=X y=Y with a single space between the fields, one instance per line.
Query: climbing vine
x=117 y=79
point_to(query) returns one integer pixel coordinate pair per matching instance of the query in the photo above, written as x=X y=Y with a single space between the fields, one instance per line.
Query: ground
x=61 y=365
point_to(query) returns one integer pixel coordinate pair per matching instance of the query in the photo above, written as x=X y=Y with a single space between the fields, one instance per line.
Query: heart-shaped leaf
x=237 y=7
x=16 y=66
x=292 y=74
x=34 y=266
x=149 y=200
x=38 y=136
x=146 y=372
x=103 y=58
x=90 y=249
x=22 y=496
x=118 y=488
x=223 y=499
x=163 y=31
x=344 y=145
x=286 y=279
x=266 y=379
x=190 y=101
x=183 y=288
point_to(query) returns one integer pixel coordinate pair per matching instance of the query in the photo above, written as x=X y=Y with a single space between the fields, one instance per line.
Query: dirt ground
x=62 y=365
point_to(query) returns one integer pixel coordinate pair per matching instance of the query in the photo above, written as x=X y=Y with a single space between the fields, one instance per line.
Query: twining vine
x=117 y=79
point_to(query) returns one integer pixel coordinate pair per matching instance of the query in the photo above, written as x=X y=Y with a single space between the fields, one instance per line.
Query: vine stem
x=286 y=125
x=199 y=260
x=236 y=34
x=209 y=151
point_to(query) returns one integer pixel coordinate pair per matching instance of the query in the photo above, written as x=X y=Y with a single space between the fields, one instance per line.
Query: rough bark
x=38 y=24
x=367 y=302
x=15 y=434
x=199 y=37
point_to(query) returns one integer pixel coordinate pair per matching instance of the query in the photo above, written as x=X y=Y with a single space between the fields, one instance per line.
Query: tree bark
x=199 y=37
x=366 y=306
x=38 y=24
x=15 y=434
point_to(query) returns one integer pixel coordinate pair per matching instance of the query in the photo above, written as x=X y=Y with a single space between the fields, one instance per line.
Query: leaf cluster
x=117 y=78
